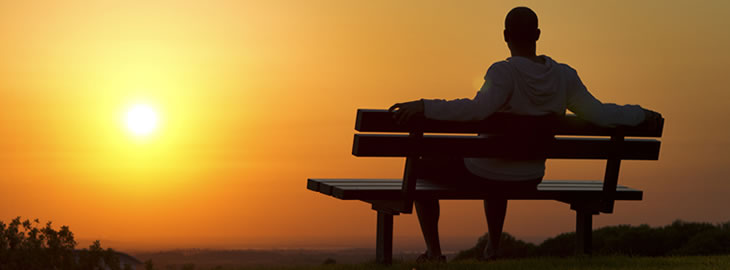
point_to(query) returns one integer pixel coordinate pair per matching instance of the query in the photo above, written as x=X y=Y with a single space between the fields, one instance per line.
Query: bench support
x=384 y=238
x=583 y=231
x=610 y=179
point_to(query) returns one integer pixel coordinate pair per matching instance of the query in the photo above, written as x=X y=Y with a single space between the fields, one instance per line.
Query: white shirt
x=521 y=86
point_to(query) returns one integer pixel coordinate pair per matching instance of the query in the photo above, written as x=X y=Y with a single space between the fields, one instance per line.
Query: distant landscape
x=543 y=263
x=228 y=258
x=26 y=244
x=677 y=239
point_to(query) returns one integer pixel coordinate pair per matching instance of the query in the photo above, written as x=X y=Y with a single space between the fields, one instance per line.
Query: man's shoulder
x=499 y=67
x=560 y=64
x=500 y=64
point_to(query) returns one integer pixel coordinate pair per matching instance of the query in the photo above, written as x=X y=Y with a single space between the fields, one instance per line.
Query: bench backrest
x=509 y=136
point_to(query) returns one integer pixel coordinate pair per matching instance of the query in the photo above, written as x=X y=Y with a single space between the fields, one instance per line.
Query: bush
x=510 y=247
x=28 y=245
x=678 y=238
x=710 y=242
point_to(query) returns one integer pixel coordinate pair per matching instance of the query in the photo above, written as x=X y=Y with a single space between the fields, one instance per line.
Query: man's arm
x=585 y=106
x=494 y=93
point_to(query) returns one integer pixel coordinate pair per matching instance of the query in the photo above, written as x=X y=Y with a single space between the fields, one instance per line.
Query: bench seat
x=391 y=189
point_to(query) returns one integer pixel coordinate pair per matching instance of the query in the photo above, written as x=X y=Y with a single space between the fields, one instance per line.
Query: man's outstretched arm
x=585 y=106
x=494 y=93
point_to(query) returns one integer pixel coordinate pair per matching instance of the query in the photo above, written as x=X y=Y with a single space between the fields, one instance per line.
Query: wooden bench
x=509 y=136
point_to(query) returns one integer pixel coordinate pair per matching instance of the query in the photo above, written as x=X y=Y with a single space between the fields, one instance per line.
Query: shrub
x=510 y=247
x=678 y=238
x=28 y=245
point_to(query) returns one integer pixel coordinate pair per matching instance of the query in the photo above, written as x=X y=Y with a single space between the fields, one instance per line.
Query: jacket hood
x=541 y=80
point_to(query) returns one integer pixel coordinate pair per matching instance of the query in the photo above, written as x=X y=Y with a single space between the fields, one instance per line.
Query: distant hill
x=678 y=238
x=204 y=258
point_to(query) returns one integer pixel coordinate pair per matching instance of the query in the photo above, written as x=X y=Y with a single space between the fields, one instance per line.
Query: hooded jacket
x=521 y=86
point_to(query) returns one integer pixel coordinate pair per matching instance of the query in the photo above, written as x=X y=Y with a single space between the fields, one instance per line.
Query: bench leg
x=583 y=230
x=384 y=240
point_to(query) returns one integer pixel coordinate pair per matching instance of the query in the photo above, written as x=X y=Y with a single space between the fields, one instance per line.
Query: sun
x=141 y=120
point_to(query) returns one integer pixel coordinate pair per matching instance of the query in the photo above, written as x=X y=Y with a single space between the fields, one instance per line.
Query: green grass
x=588 y=263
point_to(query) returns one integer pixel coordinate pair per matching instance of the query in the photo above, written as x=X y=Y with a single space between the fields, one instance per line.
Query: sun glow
x=141 y=120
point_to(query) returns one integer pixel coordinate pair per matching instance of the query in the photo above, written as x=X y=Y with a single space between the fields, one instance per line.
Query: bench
x=509 y=136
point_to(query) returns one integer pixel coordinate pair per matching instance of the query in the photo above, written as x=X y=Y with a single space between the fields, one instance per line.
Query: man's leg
x=428 y=216
x=495 y=210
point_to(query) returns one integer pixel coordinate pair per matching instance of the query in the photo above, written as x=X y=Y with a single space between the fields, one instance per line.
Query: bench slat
x=380 y=145
x=422 y=181
x=398 y=185
x=382 y=121
x=426 y=183
x=390 y=189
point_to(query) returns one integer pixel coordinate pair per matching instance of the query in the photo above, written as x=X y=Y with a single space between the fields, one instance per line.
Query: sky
x=254 y=97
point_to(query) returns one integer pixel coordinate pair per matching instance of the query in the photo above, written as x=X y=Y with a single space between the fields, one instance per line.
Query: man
x=525 y=84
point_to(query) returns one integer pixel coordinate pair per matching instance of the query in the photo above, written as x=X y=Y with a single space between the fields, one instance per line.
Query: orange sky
x=254 y=97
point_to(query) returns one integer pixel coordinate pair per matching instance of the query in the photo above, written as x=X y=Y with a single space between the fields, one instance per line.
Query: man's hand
x=404 y=112
x=651 y=119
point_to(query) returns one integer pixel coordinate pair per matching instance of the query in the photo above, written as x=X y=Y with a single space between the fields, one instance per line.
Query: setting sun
x=141 y=120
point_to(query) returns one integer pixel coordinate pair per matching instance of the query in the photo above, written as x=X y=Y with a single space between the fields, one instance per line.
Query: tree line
x=30 y=245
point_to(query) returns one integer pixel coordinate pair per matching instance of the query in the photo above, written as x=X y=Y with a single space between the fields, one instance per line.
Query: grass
x=548 y=263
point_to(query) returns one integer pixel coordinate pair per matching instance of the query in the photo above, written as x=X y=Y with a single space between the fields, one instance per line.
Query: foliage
x=148 y=265
x=28 y=245
x=677 y=239
x=509 y=245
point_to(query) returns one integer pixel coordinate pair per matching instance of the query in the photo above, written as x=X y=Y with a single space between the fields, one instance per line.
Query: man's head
x=520 y=28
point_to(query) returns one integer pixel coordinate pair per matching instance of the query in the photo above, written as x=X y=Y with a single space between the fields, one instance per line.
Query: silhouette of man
x=525 y=84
